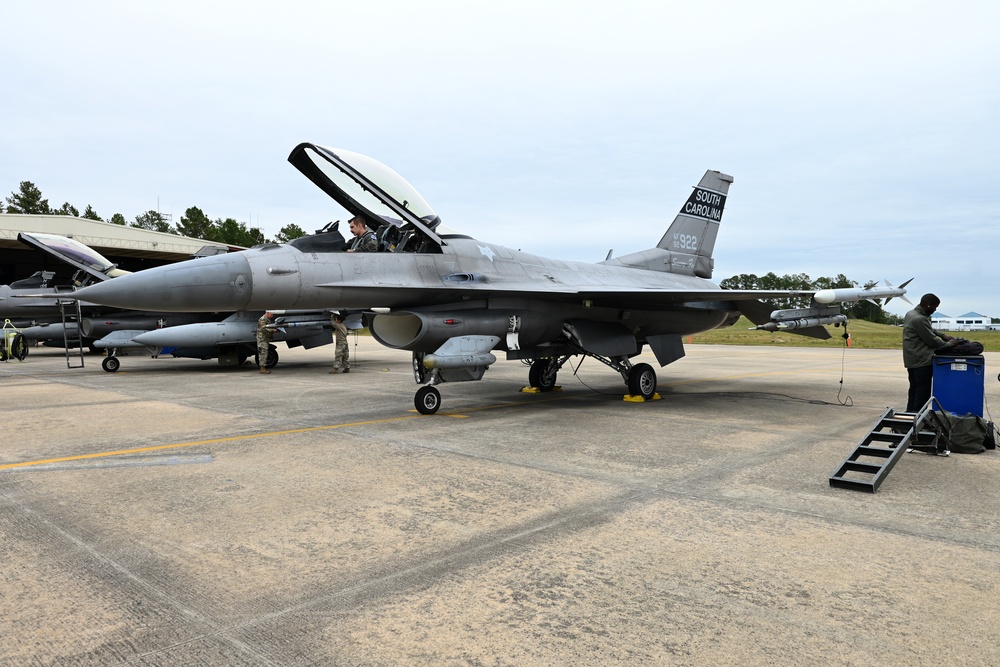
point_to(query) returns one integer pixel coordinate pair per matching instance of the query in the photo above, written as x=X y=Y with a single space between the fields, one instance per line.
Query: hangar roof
x=104 y=237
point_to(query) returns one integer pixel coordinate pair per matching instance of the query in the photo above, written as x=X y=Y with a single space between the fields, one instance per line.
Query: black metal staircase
x=894 y=434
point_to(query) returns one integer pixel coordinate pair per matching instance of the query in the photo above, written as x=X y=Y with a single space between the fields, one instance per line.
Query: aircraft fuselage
x=466 y=275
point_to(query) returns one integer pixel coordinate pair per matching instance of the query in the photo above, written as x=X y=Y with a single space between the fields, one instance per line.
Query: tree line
x=194 y=223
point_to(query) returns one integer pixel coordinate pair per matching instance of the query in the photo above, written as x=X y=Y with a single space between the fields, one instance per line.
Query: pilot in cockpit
x=364 y=239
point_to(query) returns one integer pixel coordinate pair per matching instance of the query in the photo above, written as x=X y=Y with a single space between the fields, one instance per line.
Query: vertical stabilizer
x=690 y=239
x=687 y=246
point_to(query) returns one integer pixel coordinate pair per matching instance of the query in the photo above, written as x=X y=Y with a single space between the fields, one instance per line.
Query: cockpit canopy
x=74 y=253
x=366 y=187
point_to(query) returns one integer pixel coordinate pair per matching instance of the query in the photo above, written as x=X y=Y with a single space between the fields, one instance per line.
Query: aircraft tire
x=272 y=357
x=3 y=353
x=427 y=400
x=537 y=375
x=111 y=364
x=19 y=347
x=642 y=381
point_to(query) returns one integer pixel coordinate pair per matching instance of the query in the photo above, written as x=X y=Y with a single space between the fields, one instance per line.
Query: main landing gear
x=640 y=378
x=641 y=381
x=272 y=357
x=542 y=375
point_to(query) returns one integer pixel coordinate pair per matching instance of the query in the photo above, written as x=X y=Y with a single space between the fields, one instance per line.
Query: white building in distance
x=971 y=321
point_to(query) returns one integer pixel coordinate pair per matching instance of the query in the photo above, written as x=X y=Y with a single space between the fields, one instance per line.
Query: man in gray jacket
x=920 y=341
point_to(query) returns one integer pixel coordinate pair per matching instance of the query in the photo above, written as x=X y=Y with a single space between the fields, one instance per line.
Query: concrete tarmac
x=182 y=513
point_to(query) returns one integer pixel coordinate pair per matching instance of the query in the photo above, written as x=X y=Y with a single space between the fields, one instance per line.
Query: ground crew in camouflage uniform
x=264 y=337
x=340 y=333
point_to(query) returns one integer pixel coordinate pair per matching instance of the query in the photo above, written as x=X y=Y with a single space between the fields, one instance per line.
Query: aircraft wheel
x=642 y=381
x=111 y=364
x=419 y=370
x=272 y=357
x=19 y=347
x=3 y=353
x=427 y=400
x=539 y=377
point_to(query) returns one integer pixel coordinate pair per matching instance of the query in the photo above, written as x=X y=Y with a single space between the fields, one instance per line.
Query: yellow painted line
x=309 y=429
x=251 y=436
x=195 y=443
x=453 y=415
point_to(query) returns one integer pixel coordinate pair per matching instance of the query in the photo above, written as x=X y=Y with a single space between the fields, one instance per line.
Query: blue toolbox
x=959 y=383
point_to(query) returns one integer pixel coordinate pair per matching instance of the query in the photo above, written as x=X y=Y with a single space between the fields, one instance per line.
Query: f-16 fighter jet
x=455 y=301
x=36 y=298
x=35 y=306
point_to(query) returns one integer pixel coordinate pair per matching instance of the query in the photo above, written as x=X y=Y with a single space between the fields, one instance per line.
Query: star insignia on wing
x=487 y=252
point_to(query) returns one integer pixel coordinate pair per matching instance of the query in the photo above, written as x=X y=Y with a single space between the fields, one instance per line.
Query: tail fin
x=690 y=239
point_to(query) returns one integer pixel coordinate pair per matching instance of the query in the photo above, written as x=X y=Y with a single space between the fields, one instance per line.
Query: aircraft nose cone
x=208 y=284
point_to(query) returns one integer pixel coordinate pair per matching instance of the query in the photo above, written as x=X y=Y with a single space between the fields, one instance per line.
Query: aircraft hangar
x=131 y=248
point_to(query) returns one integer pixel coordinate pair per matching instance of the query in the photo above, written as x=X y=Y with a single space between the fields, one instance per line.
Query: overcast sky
x=862 y=135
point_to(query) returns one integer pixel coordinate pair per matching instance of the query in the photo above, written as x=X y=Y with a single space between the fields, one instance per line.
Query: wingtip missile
x=902 y=287
x=861 y=294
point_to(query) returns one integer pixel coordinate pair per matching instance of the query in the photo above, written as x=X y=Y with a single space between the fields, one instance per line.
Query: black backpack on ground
x=967 y=434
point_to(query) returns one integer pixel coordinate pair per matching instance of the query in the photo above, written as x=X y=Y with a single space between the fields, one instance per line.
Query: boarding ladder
x=78 y=339
x=894 y=434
